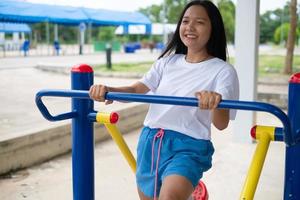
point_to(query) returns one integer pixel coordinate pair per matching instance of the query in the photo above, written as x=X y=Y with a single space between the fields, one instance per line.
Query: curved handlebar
x=182 y=101
x=58 y=93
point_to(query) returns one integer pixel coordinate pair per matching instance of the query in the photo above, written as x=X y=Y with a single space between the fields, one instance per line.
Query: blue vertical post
x=292 y=160
x=82 y=136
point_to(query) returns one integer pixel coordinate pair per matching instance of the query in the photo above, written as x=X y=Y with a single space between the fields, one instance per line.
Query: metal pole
x=108 y=51
x=292 y=161
x=82 y=136
x=48 y=37
x=55 y=32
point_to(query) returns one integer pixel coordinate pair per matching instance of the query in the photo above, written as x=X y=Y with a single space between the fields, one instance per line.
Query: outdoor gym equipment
x=83 y=115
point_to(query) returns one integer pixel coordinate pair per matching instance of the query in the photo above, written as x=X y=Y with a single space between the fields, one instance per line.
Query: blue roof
x=116 y=18
x=24 y=12
x=13 y=27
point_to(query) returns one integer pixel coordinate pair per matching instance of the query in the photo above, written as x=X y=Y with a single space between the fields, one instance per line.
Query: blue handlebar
x=183 y=101
x=58 y=93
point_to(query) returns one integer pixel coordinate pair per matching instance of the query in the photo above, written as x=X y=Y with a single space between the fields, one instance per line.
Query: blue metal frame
x=183 y=101
x=82 y=140
x=292 y=157
x=83 y=115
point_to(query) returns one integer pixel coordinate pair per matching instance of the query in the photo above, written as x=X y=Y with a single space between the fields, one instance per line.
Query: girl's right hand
x=97 y=93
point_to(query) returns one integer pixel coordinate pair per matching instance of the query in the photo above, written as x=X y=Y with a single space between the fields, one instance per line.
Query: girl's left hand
x=208 y=100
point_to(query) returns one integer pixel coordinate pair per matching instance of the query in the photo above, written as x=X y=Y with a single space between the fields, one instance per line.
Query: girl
x=174 y=147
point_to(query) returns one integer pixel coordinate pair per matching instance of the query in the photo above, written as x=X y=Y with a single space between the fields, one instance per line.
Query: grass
x=141 y=67
x=267 y=65
x=275 y=64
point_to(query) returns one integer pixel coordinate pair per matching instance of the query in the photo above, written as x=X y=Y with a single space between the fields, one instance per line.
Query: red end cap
x=82 y=68
x=114 y=117
x=295 y=78
x=253 y=132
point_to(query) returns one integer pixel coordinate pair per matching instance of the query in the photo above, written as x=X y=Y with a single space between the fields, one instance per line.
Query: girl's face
x=195 y=28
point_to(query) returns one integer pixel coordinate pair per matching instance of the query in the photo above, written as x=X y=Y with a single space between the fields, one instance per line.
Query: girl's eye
x=184 y=21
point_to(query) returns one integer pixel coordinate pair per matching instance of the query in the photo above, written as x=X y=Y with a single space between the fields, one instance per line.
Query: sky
x=133 y=5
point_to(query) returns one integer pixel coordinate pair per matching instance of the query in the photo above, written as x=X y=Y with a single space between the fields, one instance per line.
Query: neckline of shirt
x=196 y=64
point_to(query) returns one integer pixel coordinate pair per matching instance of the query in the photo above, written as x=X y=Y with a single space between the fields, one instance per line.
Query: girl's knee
x=169 y=196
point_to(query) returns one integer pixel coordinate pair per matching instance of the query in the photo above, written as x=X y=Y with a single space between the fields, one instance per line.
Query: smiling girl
x=174 y=147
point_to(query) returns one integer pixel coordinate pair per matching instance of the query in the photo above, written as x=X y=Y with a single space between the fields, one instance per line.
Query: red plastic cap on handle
x=253 y=132
x=295 y=78
x=114 y=117
x=82 y=68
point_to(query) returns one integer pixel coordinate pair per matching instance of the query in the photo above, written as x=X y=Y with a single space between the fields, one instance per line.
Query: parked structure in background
x=24 y=12
x=12 y=36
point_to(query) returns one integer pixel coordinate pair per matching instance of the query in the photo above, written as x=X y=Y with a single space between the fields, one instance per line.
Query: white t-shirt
x=174 y=76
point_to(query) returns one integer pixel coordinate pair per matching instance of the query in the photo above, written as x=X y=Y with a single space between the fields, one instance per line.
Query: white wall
x=246 y=56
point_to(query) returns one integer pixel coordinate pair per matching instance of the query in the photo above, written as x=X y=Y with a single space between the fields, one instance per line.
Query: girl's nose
x=190 y=26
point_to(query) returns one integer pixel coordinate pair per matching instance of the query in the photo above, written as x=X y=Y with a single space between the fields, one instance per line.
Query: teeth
x=190 y=36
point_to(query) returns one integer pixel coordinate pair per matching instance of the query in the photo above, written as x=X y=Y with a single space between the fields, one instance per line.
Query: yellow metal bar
x=264 y=134
x=118 y=138
x=103 y=118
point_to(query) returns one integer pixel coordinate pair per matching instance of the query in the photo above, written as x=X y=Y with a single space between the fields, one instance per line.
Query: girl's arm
x=210 y=100
x=220 y=118
x=97 y=92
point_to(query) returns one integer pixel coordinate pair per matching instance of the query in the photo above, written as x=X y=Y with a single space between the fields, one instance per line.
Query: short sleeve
x=227 y=84
x=152 y=78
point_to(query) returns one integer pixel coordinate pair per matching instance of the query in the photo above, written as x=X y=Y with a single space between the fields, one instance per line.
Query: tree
x=282 y=32
x=107 y=33
x=173 y=9
x=227 y=10
x=270 y=21
x=153 y=12
x=288 y=68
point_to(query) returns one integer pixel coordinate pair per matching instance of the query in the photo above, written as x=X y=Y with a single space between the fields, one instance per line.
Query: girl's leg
x=175 y=187
x=142 y=196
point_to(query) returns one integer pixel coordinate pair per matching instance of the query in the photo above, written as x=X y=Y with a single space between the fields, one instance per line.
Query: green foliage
x=270 y=20
x=227 y=10
x=141 y=67
x=174 y=9
x=153 y=12
x=106 y=33
x=281 y=33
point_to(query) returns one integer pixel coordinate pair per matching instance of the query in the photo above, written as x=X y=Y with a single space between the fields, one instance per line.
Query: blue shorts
x=179 y=154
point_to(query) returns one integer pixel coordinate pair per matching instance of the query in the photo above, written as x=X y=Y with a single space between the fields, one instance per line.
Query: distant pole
x=55 y=32
x=108 y=55
x=89 y=38
x=82 y=28
x=47 y=37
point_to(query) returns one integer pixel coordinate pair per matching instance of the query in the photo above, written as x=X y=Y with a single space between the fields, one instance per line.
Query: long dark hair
x=216 y=45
